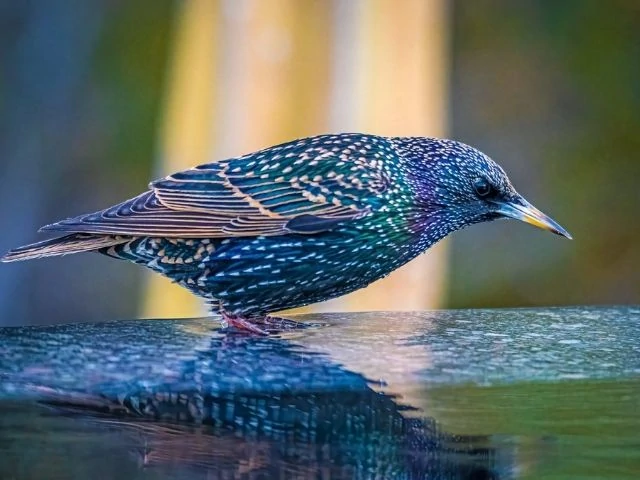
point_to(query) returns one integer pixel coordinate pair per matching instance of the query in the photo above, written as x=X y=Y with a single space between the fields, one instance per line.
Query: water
x=486 y=394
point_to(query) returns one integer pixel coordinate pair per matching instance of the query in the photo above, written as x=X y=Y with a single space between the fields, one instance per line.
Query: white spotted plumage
x=296 y=223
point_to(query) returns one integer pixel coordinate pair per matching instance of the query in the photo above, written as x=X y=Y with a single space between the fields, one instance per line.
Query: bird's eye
x=483 y=187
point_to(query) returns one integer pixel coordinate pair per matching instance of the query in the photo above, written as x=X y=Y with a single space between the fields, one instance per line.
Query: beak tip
x=559 y=230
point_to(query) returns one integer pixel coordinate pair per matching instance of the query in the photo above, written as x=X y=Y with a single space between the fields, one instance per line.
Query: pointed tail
x=74 y=243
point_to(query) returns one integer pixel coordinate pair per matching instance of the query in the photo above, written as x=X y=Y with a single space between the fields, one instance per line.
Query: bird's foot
x=261 y=325
x=242 y=324
x=279 y=323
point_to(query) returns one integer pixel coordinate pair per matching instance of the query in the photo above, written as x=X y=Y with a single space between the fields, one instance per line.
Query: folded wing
x=306 y=186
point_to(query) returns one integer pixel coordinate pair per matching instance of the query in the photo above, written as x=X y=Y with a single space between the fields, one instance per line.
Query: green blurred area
x=573 y=429
x=128 y=68
x=551 y=90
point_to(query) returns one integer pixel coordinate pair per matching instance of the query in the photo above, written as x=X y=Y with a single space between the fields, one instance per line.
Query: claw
x=280 y=323
x=243 y=324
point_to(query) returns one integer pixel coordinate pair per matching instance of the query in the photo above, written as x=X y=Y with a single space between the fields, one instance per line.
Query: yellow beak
x=524 y=211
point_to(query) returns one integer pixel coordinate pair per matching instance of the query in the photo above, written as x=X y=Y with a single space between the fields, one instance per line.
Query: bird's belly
x=276 y=273
x=258 y=275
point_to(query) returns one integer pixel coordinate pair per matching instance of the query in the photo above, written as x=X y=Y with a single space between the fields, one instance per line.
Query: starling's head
x=463 y=184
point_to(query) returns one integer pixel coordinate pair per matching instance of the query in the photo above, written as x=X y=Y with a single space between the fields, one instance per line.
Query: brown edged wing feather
x=301 y=187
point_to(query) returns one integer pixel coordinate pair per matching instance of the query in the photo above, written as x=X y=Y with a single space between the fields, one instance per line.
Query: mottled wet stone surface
x=442 y=394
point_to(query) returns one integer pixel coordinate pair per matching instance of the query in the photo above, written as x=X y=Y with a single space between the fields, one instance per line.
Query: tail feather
x=74 y=243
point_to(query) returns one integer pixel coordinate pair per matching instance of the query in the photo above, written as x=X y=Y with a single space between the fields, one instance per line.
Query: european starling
x=297 y=223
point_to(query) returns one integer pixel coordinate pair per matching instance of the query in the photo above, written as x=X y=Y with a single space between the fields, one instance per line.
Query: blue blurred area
x=551 y=90
x=80 y=86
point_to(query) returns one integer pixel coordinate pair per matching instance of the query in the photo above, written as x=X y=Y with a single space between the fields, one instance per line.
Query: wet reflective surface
x=445 y=395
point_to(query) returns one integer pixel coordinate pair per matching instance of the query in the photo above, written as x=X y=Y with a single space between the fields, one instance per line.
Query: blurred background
x=97 y=97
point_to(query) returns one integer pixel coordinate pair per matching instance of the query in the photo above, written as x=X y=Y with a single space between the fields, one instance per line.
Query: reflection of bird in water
x=423 y=453
x=305 y=434
x=190 y=399
x=297 y=223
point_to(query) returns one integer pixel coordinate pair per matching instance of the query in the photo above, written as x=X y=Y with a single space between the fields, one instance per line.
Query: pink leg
x=242 y=324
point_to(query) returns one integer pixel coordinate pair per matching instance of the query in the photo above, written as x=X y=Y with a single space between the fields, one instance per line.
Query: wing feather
x=305 y=186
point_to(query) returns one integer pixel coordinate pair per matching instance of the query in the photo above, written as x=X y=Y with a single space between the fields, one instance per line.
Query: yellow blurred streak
x=275 y=86
x=187 y=129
